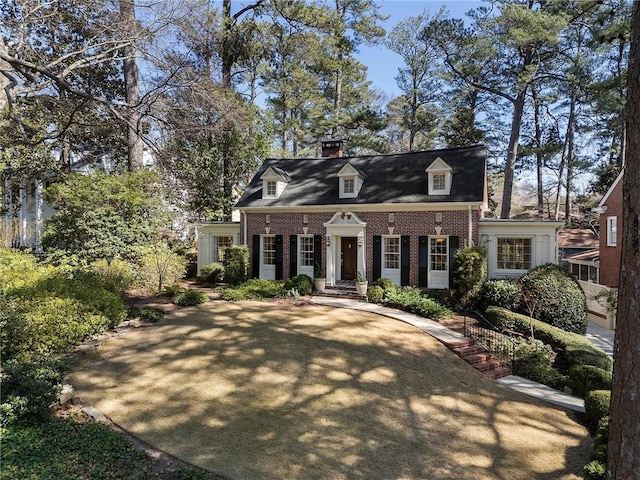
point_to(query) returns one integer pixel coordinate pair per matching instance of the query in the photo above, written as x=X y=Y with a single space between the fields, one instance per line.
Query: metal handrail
x=500 y=343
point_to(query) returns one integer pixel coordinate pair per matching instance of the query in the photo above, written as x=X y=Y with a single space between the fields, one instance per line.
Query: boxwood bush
x=302 y=283
x=190 y=298
x=375 y=294
x=503 y=293
x=596 y=469
x=212 y=272
x=553 y=296
x=571 y=348
x=596 y=405
x=585 y=378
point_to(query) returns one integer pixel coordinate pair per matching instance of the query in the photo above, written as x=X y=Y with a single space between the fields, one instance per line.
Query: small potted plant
x=319 y=280
x=361 y=284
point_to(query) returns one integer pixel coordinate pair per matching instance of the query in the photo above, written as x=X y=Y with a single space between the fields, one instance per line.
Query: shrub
x=375 y=294
x=503 y=293
x=468 y=273
x=595 y=470
x=552 y=295
x=190 y=297
x=596 y=405
x=173 y=290
x=571 y=348
x=212 y=272
x=412 y=300
x=161 y=266
x=117 y=277
x=302 y=283
x=385 y=284
x=147 y=314
x=256 y=288
x=534 y=361
x=29 y=388
x=236 y=259
x=18 y=269
x=585 y=378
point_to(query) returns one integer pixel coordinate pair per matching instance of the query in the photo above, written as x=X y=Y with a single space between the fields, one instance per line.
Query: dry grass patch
x=252 y=390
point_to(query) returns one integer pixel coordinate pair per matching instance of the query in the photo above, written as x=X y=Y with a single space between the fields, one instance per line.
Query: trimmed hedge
x=212 y=272
x=571 y=348
x=596 y=469
x=410 y=299
x=554 y=297
x=596 y=405
x=585 y=378
x=375 y=294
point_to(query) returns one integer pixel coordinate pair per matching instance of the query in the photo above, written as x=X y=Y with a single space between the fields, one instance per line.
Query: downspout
x=244 y=233
x=470 y=239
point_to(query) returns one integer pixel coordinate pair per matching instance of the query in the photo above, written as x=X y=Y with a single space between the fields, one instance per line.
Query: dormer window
x=439 y=175
x=351 y=180
x=274 y=181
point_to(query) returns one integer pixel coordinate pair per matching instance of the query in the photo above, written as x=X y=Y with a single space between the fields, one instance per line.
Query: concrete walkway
x=601 y=337
x=448 y=336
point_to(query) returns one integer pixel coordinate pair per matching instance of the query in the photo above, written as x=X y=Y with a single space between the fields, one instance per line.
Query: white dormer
x=351 y=180
x=439 y=175
x=274 y=181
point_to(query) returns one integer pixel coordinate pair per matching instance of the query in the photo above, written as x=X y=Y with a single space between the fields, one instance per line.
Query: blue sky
x=382 y=63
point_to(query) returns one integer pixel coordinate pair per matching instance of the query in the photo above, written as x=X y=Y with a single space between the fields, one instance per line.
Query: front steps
x=343 y=289
x=479 y=358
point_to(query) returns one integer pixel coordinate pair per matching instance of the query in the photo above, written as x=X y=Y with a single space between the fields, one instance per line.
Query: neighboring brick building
x=400 y=216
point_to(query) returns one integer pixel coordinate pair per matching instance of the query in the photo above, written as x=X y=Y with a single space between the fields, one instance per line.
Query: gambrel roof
x=397 y=178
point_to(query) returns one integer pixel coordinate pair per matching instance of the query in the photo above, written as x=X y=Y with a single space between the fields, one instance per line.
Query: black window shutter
x=279 y=257
x=454 y=244
x=317 y=251
x=255 y=271
x=293 y=256
x=405 y=263
x=423 y=261
x=377 y=257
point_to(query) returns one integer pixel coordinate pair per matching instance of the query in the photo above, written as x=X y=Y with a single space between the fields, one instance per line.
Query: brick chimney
x=332 y=148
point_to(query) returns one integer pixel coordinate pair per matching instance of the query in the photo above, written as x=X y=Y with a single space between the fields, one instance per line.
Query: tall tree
x=624 y=436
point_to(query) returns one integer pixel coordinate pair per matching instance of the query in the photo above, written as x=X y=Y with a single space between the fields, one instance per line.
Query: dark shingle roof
x=398 y=178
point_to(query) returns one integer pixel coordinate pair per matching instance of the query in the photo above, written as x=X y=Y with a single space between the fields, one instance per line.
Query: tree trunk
x=539 y=156
x=227 y=63
x=512 y=153
x=132 y=90
x=624 y=436
x=570 y=158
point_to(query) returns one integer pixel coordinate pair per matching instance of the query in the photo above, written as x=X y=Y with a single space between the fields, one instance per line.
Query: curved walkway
x=448 y=336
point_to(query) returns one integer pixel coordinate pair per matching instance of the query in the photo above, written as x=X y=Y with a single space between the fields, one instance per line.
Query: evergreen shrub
x=571 y=348
x=551 y=295
x=236 y=260
x=302 y=283
x=190 y=298
x=375 y=294
x=412 y=300
x=585 y=378
x=596 y=405
x=212 y=272
x=468 y=272
x=503 y=293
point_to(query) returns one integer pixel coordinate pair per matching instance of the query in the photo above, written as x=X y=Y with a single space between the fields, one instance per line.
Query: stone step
x=487 y=365
x=340 y=294
x=460 y=344
x=468 y=350
x=474 y=358
x=496 y=373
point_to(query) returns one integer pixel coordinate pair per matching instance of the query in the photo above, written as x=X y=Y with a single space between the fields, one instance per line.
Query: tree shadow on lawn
x=252 y=390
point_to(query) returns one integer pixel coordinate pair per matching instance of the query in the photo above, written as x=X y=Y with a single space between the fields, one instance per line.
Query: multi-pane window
x=612 y=231
x=439 y=181
x=268 y=250
x=514 y=253
x=439 y=254
x=391 y=252
x=306 y=251
x=271 y=188
x=219 y=245
x=349 y=185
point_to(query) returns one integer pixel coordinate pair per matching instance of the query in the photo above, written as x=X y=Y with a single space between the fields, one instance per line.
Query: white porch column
x=362 y=254
x=330 y=266
x=39 y=212
x=23 y=213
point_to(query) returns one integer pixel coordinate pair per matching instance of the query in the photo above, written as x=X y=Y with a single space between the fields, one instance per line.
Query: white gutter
x=244 y=233
x=470 y=242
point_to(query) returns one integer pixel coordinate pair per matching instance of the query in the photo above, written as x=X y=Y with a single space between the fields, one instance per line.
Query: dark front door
x=349 y=257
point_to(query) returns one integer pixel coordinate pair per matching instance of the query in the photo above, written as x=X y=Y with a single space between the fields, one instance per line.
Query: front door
x=349 y=257
x=438 y=262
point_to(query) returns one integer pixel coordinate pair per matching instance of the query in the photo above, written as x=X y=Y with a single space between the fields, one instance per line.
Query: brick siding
x=610 y=256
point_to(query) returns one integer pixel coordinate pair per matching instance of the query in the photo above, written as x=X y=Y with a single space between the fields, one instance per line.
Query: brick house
x=400 y=216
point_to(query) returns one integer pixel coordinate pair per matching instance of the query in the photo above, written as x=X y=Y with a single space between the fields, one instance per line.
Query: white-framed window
x=268 y=250
x=391 y=250
x=514 y=253
x=349 y=185
x=438 y=254
x=271 y=189
x=220 y=243
x=612 y=231
x=439 y=182
x=305 y=247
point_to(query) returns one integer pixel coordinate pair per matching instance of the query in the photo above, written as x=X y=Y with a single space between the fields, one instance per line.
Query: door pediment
x=343 y=219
